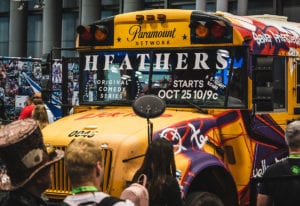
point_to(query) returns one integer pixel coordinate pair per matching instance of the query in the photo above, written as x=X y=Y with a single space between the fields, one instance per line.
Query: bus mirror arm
x=253 y=109
x=132 y=158
x=150 y=130
x=149 y=106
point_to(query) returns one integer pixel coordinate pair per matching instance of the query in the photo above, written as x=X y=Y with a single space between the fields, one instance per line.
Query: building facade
x=33 y=28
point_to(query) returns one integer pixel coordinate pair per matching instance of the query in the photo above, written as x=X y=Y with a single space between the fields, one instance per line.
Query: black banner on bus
x=209 y=77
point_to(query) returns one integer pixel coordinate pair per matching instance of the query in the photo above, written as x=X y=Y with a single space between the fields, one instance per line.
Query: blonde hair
x=40 y=115
x=81 y=157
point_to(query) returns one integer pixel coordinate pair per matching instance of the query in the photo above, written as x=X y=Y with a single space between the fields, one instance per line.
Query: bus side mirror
x=149 y=106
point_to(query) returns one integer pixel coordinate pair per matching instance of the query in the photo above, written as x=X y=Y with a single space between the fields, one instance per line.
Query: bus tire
x=199 y=198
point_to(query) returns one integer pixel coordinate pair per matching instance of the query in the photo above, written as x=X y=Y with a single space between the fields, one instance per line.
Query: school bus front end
x=123 y=137
x=229 y=87
x=108 y=128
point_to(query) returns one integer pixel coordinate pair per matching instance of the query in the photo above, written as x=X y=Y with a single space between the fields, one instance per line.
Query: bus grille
x=60 y=183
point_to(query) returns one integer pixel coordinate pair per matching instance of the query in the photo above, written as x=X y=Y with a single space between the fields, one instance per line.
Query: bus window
x=269 y=83
x=279 y=75
x=122 y=77
x=205 y=78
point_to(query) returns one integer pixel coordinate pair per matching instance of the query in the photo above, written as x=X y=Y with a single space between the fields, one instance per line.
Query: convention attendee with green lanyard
x=281 y=183
x=84 y=166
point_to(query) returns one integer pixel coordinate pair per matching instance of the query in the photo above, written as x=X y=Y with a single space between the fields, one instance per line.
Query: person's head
x=37 y=99
x=25 y=155
x=40 y=181
x=40 y=114
x=292 y=135
x=84 y=164
x=157 y=165
x=206 y=199
x=29 y=100
x=160 y=157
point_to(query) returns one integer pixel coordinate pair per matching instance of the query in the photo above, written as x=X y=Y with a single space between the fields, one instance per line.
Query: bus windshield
x=207 y=77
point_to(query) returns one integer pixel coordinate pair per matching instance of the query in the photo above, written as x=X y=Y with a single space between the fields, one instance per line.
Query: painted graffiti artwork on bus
x=200 y=135
x=274 y=38
x=186 y=75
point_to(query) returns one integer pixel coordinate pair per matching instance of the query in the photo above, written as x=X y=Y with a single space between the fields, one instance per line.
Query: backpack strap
x=142 y=180
x=89 y=203
x=109 y=201
x=64 y=204
x=106 y=201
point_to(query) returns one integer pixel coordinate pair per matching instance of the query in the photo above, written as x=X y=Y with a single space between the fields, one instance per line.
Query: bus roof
x=170 y=28
x=267 y=34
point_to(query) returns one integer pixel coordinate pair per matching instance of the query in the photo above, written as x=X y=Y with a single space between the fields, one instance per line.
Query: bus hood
x=111 y=124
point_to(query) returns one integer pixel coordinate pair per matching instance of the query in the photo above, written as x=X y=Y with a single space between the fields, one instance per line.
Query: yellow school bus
x=230 y=84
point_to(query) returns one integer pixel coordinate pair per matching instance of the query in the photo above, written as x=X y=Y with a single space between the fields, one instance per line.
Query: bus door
x=269 y=83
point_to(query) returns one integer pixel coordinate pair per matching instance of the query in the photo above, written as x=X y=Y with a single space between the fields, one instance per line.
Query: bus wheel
x=205 y=198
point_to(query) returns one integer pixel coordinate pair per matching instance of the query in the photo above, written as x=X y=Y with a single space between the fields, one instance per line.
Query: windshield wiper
x=203 y=111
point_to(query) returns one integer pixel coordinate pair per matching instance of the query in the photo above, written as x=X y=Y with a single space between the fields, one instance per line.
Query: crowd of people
x=29 y=170
x=37 y=110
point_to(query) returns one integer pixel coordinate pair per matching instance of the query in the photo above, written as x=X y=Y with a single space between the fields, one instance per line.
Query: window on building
x=34 y=39
x=4 y=27
x=70 y=4
x=260 y=7
x=69 y=24
x=4 y=5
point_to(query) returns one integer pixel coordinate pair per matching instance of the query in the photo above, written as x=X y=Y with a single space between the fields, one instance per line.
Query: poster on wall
x=20 y=101
x=14 y=87
x=21 y=77
x=70 y=86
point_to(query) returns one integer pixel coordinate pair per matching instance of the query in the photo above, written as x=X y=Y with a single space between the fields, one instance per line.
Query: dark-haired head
x=158 y=164
x=160 y=157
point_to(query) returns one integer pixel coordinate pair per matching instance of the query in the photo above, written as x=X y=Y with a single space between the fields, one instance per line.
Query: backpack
x=108 y=201
x=137 y=192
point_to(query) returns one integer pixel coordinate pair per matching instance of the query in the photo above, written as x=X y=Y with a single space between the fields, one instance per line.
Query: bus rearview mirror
x=149 y=106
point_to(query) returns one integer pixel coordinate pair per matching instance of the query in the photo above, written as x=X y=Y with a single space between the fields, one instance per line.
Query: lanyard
x=294 y=156
x=84 y=189
x=294 y=168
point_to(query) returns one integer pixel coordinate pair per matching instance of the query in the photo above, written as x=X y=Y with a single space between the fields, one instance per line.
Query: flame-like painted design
x=260 y=139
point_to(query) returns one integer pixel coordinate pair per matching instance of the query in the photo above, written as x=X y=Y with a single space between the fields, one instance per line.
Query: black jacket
x=20 y=198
